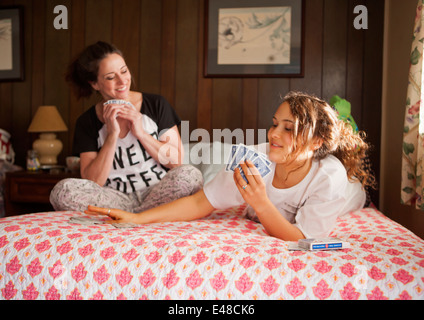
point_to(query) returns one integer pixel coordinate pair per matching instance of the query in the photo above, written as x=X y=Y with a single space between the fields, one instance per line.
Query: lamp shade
x=47 y=119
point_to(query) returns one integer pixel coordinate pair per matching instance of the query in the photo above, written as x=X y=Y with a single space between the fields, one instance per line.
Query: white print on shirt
x=133 y=168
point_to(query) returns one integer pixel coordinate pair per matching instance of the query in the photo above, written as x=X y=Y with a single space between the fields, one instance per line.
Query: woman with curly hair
x=319 y=172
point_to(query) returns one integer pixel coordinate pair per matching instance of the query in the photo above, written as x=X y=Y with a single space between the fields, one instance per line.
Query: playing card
x=87 y=221
x=260 y=164
x=241 y=153
x=125 y=225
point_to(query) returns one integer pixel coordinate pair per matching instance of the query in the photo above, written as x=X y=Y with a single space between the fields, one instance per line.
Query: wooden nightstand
x=29 y=192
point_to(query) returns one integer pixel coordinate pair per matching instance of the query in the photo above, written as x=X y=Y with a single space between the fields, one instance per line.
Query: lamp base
x=48 y=148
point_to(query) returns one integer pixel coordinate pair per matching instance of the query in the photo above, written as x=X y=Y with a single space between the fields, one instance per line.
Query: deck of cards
x=115 y=101
x=318 y=244
x=240 y=153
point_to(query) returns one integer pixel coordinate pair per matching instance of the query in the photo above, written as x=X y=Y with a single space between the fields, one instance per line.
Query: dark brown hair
x=85 y=67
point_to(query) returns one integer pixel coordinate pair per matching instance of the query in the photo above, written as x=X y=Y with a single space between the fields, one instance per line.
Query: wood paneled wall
x=162 y=41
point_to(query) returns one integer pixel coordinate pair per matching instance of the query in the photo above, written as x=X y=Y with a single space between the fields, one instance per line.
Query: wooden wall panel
x=150 y=46
x=163 y=42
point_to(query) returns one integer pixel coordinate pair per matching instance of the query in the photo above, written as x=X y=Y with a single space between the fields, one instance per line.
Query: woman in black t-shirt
x=126 y=142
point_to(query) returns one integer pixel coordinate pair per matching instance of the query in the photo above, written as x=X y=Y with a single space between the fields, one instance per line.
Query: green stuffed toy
x=342 y=107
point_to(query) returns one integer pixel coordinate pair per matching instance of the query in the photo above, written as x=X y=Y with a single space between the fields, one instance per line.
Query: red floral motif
x=30 y=293
x=153 y=257
x=54 y=233
x=182 y=244
x=52 y=294
x=296 y=265
x=269 y=286
x=272 y=263
x=159 y=244
x=33 y=231
x=13 y=266
x=171 y=279
x=124 y=277
x=101 y=275
x=404 y=296
x=247 y=262
x=322 y=291
x=219 y=282
x=9 y=291
x=295 y=288
x=3 y=241
x=194 y=280
x=349 y=292
x=147 y=279
x=34 y=268
x=12 y=228
x=64 y=248
x=95 y=237
x=223 y=259
x=376 y=274
x=138 y=242
x=199 y=258
x=97 y=296
x=130 y=255
x=227 y=248
x=86 y=250
x=243 y=284
x=349 y=269
x=372 y=258
x=394 y=252
x=79 y=272
x=21 y=244
x=399 y=261
x=322 y=266
x=43 y=246
x=108 y=253
x=117 y=239
x=403 y=276
x=57 y=270
x=75 y=295
x=377 y=294
x=176 y=257
x=250 y=250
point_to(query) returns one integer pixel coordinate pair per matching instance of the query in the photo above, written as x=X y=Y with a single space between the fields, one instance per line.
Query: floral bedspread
x=224 y=256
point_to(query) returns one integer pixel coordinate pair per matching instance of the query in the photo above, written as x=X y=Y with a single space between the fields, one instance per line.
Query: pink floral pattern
x=412 y=187
x=224 y=256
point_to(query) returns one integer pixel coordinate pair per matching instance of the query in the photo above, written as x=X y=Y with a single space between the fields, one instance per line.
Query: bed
x=223 y=256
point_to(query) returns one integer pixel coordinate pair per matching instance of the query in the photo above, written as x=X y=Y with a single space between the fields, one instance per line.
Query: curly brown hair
x=316 y=120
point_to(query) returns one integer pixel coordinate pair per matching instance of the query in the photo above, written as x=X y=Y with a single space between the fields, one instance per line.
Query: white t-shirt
x=313 y=205
x=133 y=167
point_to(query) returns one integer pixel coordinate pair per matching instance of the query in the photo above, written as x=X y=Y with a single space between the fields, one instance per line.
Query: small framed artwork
x=11 y=44
x=254 y=38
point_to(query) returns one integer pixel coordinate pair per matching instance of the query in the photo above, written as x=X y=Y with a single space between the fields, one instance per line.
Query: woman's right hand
x=110 y=115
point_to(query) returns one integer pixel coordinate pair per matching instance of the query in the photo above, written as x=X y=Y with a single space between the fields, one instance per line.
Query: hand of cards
x=241 y=153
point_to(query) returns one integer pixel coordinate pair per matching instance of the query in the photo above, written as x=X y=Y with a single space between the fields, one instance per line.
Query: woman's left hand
x=134 y=119
x=253 y=192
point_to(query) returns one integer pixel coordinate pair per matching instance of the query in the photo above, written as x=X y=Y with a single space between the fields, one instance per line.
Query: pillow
x=209 y=158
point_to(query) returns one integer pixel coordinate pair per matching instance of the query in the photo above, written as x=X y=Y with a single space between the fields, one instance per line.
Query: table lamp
x=47 y=120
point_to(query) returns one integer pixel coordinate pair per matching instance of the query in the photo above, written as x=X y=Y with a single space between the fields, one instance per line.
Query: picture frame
x=11 y=44
x=254 y=38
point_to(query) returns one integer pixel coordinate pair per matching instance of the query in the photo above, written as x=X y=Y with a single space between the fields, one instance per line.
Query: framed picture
x=11 y=44
x=254 y=38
